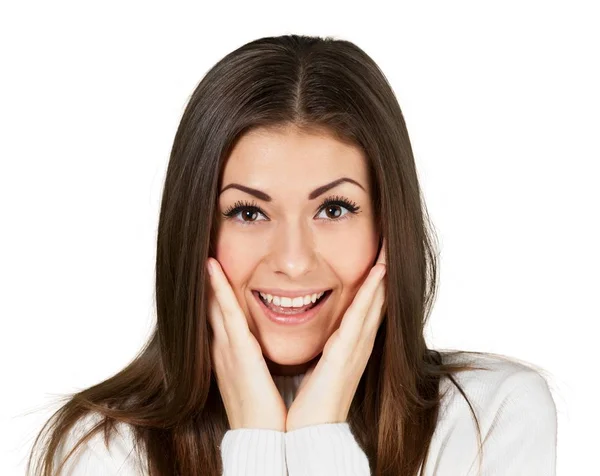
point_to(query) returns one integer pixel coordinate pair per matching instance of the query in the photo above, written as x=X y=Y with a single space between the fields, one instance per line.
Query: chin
x=290 y=353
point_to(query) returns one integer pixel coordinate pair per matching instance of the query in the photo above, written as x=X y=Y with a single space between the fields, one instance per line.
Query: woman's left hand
x=328 y=387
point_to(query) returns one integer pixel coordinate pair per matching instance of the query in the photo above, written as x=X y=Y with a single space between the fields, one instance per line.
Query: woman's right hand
x=249 y=393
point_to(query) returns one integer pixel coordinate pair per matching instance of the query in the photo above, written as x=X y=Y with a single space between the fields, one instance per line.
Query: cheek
x=236 y=262
x=351 y=255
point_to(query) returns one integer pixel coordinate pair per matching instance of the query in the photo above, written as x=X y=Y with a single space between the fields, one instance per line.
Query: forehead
x=292 y=158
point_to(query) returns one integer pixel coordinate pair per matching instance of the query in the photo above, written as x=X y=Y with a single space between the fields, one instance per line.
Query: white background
x=502 y=105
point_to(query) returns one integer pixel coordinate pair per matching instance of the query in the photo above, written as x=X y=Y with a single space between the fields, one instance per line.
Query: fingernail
x=209 y=267
x=382 y=271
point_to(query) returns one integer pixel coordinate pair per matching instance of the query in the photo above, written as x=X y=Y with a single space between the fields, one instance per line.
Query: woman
x=292 y=180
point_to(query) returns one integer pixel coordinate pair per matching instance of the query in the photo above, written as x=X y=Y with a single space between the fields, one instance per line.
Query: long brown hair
x=168 y=393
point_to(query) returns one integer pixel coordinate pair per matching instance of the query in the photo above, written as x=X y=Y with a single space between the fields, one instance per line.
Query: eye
x=332 y=204
x=246 y=209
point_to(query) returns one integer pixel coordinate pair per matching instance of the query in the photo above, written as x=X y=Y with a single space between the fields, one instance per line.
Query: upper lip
x=290 y=294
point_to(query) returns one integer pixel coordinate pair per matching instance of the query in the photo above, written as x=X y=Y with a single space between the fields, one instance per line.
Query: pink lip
x=294 y=319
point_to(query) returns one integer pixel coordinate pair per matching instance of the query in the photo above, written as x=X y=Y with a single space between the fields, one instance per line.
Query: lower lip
x=293 y=319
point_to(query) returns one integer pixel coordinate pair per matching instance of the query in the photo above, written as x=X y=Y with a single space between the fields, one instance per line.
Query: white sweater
x=513 y=403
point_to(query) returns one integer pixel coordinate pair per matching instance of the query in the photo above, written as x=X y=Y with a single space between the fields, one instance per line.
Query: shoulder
x=118 y=455
x=515 y=413
x=497 y=381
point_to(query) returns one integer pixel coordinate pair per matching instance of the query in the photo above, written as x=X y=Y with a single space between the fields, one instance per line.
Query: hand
x=328 y=387
x=249 y=393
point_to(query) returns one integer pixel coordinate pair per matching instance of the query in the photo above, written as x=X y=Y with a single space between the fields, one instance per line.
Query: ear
x=380 y=241
x=383 y=253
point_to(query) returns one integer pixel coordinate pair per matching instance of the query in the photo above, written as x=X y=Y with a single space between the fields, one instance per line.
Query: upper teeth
x=289 y=302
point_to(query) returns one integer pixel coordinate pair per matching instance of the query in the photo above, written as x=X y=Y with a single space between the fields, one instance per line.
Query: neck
x=289 y=370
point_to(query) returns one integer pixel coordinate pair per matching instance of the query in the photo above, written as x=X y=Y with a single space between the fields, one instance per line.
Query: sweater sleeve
x=253 y=452
x=328 y=449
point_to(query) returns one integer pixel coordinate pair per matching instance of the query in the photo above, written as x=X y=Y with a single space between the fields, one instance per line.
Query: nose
x=293 y=251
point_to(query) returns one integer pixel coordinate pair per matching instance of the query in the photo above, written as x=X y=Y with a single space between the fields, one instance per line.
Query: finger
x=354 y=318
x=234 y=320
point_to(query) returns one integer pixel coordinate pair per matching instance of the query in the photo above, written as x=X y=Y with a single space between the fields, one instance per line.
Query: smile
x=291 y=315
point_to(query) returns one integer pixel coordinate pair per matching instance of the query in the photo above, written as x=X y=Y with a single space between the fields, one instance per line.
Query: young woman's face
x=294 y=243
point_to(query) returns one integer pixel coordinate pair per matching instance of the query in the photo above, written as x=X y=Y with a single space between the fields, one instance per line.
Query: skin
x=294 y=243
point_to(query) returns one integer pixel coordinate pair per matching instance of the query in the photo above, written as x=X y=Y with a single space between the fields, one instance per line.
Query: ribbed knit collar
x=288 y=385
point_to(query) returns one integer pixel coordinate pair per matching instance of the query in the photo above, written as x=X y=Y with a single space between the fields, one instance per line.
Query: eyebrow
x=311 y=196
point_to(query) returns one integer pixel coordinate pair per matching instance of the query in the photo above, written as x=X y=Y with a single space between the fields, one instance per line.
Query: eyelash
x=335 y=200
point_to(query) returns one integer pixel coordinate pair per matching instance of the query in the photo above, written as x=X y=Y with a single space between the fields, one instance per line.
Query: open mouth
x=294 y=315
x=293 y=310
